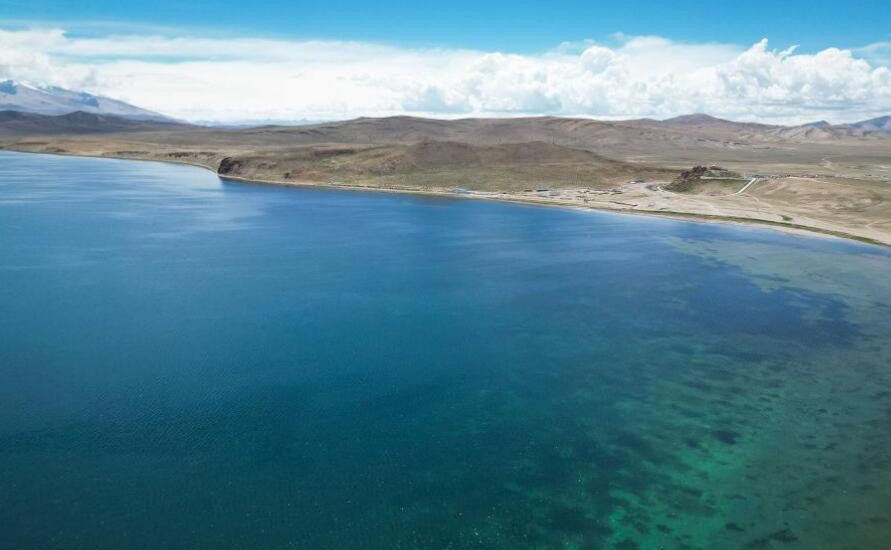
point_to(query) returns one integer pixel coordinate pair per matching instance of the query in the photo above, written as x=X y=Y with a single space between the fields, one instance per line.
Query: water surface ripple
x=186 y=362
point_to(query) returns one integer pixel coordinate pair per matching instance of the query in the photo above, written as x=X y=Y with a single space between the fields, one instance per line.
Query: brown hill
x=439 y=164
x=677 y=142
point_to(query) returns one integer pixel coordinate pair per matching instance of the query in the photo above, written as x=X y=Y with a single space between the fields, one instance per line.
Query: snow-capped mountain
x=52 y=100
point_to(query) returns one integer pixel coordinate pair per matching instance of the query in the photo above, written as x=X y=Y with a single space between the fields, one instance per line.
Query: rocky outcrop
x=229 y=165
x=687 y=179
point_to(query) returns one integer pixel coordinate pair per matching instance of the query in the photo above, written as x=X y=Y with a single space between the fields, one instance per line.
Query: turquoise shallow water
x=191 y=363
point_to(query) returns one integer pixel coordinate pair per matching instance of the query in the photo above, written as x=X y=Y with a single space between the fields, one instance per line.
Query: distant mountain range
x=819 y=130
x=18 y=123
x=52 y=100
x=880 y=124
x=823 y=131
x=26 y=109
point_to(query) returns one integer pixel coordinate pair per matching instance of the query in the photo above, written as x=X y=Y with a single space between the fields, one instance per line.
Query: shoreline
x=790 y=229
x=783 y=227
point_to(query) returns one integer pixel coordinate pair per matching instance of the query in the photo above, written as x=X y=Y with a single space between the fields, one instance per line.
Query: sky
x=236 y=61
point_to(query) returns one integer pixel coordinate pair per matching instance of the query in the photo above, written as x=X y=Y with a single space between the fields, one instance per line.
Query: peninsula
x=830 y=179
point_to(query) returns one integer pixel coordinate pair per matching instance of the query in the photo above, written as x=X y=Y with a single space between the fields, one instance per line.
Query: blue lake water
x=186 y=362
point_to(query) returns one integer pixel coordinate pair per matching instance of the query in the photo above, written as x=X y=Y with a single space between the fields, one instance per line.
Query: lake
x=189 y=362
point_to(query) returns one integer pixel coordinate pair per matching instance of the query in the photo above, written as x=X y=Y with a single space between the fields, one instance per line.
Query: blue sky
x=231 y=61
x=519 y=26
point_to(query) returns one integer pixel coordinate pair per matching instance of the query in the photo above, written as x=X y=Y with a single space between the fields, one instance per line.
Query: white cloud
x=244 y=78
x=23 y=55
x=878 y=53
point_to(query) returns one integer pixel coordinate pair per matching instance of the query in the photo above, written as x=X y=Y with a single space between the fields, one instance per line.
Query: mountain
x=631 y=137
x=812 y=131
x=52 y=100
x=880 y=124
x=709 y=127
x=17 y=123
x=693 y=135
x=695 y=119
x=822 y=124
x=702 y=120
x=822 y=131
